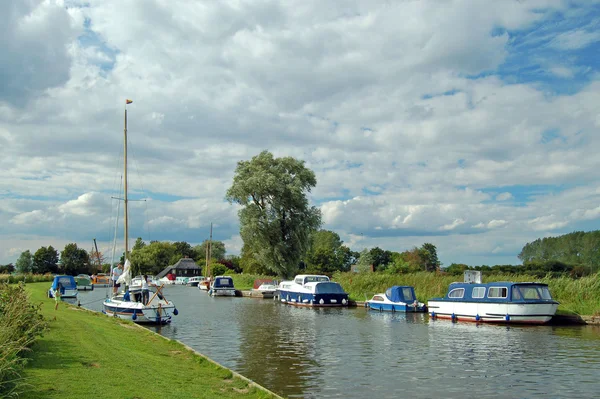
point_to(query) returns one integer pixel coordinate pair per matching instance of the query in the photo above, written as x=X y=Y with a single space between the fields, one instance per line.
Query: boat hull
x=313 y=300
x=525 y=313
x=222 y=292
x=153 y=314
x=396 y=307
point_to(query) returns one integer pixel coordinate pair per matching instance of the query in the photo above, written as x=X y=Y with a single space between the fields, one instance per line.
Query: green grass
x=86 y=354
x=579 y=296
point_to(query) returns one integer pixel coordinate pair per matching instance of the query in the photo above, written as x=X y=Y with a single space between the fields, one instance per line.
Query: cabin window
x=478 y=292
x=377 y=298
x=408 y=294
x=530 y=292
x=456 y=293
x=299 y=281
x=545 y=293
x=497 y=292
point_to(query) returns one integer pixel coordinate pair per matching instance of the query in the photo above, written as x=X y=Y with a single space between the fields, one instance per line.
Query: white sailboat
x=130 y=305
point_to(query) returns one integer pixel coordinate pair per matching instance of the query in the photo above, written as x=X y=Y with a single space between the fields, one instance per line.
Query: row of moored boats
x=472 y=300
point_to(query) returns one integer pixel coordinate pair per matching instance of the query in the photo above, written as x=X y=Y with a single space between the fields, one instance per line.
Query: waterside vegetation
x=20 y=324
x=119 y=360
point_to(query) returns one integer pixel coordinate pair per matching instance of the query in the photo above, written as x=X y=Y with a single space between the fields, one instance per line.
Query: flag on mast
x=128 y=101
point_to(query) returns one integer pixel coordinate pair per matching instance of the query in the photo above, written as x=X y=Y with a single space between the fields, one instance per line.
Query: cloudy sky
x=472 y=125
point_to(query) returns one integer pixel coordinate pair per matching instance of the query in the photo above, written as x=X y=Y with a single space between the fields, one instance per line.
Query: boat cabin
x=223 y=282
x=63 y=283
x=397 y=294
x=302 y=279
x=498 y=292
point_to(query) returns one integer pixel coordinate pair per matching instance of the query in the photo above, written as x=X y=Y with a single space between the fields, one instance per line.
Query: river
x=357 y=353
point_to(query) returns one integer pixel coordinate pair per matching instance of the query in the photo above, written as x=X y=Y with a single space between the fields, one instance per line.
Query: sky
x=469 y=124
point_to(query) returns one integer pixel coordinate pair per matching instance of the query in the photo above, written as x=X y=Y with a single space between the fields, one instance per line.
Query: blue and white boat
x=312 y=290
x=222 y=286
x=397 y=299
x=63 y=287
x=498 y=302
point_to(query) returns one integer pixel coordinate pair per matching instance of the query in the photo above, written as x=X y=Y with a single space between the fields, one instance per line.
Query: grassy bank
x=86 y=354
x=581 y=296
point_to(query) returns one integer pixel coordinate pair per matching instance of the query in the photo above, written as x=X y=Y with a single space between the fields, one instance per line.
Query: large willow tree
x=276 y=220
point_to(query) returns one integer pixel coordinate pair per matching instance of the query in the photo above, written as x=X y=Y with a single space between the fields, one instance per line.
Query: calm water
x=355 y=353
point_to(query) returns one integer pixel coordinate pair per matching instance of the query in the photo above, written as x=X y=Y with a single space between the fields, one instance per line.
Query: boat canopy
x=223 y=282
x=67 y=282
x=399 y=293
x=329 y=288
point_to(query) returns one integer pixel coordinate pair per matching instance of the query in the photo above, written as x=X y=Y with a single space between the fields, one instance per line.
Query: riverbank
x=87 y=354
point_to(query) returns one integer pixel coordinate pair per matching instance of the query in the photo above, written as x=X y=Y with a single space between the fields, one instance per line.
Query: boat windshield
x=329 y=288
x=530 y=292
x=315 y=279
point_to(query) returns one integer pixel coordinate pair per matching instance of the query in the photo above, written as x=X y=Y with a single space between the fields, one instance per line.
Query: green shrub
x=20 y=324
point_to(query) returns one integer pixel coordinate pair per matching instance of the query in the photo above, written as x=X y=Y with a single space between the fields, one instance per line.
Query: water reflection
x=356 y=353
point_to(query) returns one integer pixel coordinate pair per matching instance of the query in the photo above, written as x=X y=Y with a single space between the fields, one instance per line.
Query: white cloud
x=504 y=196
x=406 y=145
x=575 y=39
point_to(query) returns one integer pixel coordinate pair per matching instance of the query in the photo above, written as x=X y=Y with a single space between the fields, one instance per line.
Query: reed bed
x=580 y=296
x=20 y=324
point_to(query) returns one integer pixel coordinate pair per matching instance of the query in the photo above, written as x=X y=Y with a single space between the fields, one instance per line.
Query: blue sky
x=468 y=124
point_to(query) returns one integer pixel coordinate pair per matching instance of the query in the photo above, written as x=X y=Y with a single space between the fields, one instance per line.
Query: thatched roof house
x=185 y=267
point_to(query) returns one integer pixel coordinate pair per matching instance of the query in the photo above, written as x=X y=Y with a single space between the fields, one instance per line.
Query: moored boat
x=194 y=281
x=101 y=280
x=312 y=290
x=63 y=287
x=222 y=286
x=84 y=282
x=266 y=288
x=397 y=299
x=134 y=304
x=498 y=302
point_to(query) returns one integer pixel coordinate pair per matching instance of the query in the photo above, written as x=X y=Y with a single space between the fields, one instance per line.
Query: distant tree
x=381 y=258
x=7 y=269
x=456 y=268
x=139 y=244
x=181 y=250
x=217 y=250
x=365 y=261
x=251 y=265
x=218 y=269
x=152 y=258
x=45 y=260
x=25 y=262
x=326 y=253
x=429 y=258
x=97 y=259
x=276 y=219
x=74 y=260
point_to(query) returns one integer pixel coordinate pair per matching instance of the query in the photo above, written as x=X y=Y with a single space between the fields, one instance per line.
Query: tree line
x=282 y=235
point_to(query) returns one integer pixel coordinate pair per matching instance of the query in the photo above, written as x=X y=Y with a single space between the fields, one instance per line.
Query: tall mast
x=125 y=181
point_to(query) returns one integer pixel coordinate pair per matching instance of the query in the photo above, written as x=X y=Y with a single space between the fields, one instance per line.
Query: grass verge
x=87 y=354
